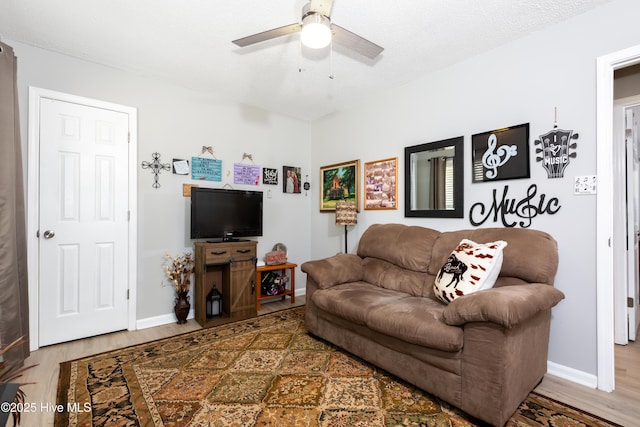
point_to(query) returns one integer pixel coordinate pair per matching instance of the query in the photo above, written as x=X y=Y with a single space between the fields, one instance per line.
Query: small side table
x=290 y=292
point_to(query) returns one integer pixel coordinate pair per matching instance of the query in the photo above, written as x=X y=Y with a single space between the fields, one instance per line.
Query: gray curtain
x=437 y=180
x=14 y=308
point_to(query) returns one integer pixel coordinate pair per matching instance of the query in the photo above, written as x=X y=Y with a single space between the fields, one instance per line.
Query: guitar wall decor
x=554 y=147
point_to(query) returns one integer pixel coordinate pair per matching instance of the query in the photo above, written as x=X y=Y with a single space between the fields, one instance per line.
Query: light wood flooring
x=620 y=406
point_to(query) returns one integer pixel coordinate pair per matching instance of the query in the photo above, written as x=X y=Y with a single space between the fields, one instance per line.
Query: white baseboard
x=573 y=375
x=150 y=322
x=163 y=319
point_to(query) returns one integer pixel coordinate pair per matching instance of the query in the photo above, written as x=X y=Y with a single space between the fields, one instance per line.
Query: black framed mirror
x=433 y=179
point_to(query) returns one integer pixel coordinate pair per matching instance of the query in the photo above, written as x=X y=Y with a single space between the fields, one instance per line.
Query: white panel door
x=633 y=222
x=83 y=230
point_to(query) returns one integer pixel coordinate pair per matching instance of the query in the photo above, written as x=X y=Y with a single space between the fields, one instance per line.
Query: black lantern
x=214 y=302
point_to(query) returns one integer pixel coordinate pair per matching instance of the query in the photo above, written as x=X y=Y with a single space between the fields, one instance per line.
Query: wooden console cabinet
x=231 y=266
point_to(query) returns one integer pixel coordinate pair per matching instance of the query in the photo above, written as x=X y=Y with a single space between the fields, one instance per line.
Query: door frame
x=33 y=208
x=610 y=243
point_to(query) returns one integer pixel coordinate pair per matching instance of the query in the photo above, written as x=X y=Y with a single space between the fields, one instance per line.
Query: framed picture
x=291 y=180
x=270 y=176
x=501 y=154
x=339 y=182
x=380 y=184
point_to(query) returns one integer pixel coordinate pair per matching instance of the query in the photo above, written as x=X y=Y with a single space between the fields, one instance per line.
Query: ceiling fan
x=317 y=31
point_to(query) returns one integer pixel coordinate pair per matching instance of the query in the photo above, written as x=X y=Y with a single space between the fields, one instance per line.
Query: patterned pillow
x=470 y=267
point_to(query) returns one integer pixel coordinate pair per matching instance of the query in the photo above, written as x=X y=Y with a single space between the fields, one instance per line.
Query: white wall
x=177 y=123
x=517 y=83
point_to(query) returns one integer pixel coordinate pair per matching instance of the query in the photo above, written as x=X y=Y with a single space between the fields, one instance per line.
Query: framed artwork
x=180 y=167
x=339 y=182
x=380 y=184
x=270 y=176
x=501 y=154
x=291 y=180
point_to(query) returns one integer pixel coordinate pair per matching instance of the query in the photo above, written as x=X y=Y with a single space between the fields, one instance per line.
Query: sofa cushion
x=353 y=301
x=405 y=246
x=341 y=268
x=471 y=267
x=418 y=321
x=390 y=276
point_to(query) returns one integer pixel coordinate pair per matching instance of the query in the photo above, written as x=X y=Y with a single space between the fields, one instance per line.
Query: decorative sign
x=554 y=146
x=180 y=167
x=270 y=176
x=526 y=208
x=206 y=169
x=156 y=167
x=246 y=174
x=501 y=154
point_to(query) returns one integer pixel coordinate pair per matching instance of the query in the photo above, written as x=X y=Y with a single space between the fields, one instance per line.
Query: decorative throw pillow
x=470 y=267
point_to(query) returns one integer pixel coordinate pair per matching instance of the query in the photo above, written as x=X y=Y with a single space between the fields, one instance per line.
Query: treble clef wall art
x=492 y=159
x=501 y=154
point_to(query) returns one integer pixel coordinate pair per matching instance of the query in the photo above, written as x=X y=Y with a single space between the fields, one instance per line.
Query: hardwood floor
x=620 y=406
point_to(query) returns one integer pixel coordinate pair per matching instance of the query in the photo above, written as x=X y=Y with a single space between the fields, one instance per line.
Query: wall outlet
x=584 y=184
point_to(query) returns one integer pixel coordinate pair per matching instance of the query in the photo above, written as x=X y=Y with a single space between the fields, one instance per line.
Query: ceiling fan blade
x=322 y=7
x=268 y=35
x=354 y=42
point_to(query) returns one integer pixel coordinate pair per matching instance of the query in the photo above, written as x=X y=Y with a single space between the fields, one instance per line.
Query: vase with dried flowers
x=179 y=269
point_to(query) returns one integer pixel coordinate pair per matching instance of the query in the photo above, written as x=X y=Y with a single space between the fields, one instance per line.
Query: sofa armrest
x=328 y=272
x=506 y=306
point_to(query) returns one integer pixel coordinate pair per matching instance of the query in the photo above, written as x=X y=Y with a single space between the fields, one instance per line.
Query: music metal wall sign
x=514 y=211
x=554 y=147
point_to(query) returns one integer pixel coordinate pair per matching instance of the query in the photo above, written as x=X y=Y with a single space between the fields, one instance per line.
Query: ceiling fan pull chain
x=300 y=69
x=331 y=61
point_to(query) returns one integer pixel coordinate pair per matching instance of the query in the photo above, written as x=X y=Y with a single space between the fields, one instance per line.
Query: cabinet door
x=243 y=294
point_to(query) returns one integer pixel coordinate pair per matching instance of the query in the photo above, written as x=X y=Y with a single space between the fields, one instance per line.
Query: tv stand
x=232 y=266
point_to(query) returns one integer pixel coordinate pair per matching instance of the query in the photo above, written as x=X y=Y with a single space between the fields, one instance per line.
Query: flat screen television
x=220 y=214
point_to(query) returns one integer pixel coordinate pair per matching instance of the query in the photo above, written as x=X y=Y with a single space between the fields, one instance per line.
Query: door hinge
x=128 y=216
x=128 y=137
x=630 y=302
x=127 y=293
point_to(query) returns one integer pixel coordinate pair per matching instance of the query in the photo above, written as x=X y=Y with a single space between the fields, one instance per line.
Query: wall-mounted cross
x=156 y=167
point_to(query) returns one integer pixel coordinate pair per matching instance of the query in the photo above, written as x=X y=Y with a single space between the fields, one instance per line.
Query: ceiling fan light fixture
x=316 y=32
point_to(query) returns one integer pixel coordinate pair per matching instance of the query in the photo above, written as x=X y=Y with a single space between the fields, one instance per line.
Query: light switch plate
x=584 y=184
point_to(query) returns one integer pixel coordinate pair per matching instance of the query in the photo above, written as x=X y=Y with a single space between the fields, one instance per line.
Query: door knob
x=49 y=234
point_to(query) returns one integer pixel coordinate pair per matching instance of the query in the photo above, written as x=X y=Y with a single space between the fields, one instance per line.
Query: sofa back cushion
x=389 y=276
x=407 y=247
x=530 y=255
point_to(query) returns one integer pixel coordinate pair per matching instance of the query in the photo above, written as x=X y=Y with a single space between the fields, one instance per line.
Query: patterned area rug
x=260 y=372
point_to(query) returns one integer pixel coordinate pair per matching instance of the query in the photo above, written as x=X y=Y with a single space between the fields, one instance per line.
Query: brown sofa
x=483 y=353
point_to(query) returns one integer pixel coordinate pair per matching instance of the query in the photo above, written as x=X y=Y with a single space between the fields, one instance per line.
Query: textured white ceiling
x=189 y=42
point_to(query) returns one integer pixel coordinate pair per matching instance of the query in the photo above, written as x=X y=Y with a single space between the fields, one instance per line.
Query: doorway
x=611 y=228
x=626 y=112
x=81 y=217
